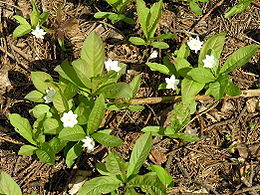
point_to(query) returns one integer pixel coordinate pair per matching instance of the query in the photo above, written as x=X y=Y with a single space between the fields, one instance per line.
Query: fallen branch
x=171 y=99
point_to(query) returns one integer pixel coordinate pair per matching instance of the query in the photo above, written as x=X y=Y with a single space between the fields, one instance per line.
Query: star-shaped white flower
x=154 y=54
x=195 y=44
x=210 y=61
x=49 y=95
x=89 y=143
x=172 y=82
x=69 y=119
x=112 y=65
x=39 y=33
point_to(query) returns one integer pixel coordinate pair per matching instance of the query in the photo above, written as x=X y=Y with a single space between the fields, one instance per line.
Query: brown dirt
x=207 y=166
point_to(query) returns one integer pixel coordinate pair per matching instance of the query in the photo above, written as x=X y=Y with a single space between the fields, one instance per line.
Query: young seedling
x=149 y=20
x=71 y=109
x=37 y=19
x=120 y=7
x=194 y=6
x=120 y=177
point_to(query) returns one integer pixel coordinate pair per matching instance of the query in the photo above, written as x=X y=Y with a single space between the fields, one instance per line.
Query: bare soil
x=208 y=166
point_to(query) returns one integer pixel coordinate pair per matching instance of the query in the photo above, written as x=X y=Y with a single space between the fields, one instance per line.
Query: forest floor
x=208 y=166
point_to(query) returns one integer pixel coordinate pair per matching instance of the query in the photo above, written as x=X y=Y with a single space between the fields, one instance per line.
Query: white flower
x=154 y=54
x=112 y=65
x=89 y=143
x=172 y=82
x=195 y=44
x=39 y=33
x=69 y=119
x=209 y=61
x=49 y=95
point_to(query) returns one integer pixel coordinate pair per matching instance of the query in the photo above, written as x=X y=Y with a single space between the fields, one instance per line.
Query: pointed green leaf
x=60 y=103
x=160 y=45
x=239 y=58
x=21 y=20
x=41 y=81
x=41 y=110
x=140 y=152
x=143 y=14
x=57 y=144
x=35 y=15
x=21 y=30
x=46 y=154
x=35 y=96
x=107 y=140
x=190 y=89
x=75 y=133
x=162 y=174
x=27 y=150
x=116 y=90
x=195 y=7
x=216 y=43
x=158 y=67
x=218 y=88
x=22 y=126
x=137 y=41
x=115 y=164
x=73 y=153
x=83 y=71
x=51 y=126
x=201 y=75
x=232 y=89
x=135 y=84
x=8 y=186
x=98 y=185
x=93 y=52
x=97 y=114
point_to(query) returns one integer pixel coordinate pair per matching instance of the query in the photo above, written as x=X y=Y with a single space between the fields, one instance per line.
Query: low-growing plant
x=120 y=177
x=120 y=7
x=71 y=109
x=149 y=21
x=239 y=8
x=37 y=19
x=208 y=74
x=7 y=185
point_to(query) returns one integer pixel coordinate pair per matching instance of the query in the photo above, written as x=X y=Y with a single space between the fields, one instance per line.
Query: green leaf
x=97 y=114
x=83 y=111
x=98 y=185
x=75 y=133
x=21 y=20
x=27 y=150
x=190 y=89
x=184 y=51
x=239 y=58
x=21 y=30
x=57 y=144
x=51 y=126
x=218 y=88
x=23 y=127
x=201 y=75
x=102 y=14
x=43 y=18
x=158 y=67
x=216 y=43
x=232 y=89
x=183 y=136
x=60 y=103
x=73 y=153
x=46 y=153
x=66 y=71
x=41 y=110
x=149 y=184
x=154 y=130
x=35 y=15
x=8 y=185
x=107 y=140
x=83 y=71
x=140 y=152
x=162 y=174
x=135 y=84
x=137 y=41
x=135 y=108
x=42 y=81
x=35 y=96
x=195 y=7
x=143 y=14
x=239 y=8
x=93 y=52
x=160 y=45
x=115 y=164
x=116 y=90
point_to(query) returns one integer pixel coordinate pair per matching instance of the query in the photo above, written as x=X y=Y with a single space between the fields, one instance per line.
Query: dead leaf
x=157 y=157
